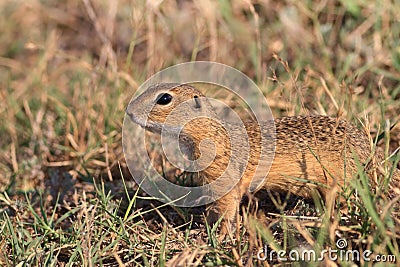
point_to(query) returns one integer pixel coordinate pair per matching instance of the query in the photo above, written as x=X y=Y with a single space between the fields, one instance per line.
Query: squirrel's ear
x=197 y=102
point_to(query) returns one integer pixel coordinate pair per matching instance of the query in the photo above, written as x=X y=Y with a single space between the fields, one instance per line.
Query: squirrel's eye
x=163 y=99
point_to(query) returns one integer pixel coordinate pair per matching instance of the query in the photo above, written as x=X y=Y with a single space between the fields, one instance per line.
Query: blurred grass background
x=69 y=68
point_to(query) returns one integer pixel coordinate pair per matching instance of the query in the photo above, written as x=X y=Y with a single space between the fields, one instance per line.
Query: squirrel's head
x=168 y=106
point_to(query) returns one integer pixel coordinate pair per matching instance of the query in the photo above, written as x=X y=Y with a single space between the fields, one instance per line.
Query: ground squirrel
x=312 y=153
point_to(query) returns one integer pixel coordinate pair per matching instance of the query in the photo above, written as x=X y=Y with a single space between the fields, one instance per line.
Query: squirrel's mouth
x=148 y=125
x=154 y=127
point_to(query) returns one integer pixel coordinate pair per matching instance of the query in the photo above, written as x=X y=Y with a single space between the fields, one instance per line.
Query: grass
x=69 y=68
